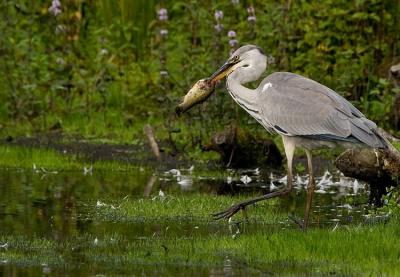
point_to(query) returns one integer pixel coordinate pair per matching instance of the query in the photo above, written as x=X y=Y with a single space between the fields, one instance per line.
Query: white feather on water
x=245 y=179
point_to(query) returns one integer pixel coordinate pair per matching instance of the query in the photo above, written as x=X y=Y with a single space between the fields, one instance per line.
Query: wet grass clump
x=350 y=251
x=195 y=207
x=45 y=160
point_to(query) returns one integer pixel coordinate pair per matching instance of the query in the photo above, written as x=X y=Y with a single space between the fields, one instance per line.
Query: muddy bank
x=139 y=154
x=236 y=151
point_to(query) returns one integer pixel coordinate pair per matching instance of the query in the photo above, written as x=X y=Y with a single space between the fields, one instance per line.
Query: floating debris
x=185 y=182
x=325 y=180
x=245 y=179
x=161 y=194
x=300 y=182
x=321 y=191
x=272 y=186
x=175 y=172
x=283 y=179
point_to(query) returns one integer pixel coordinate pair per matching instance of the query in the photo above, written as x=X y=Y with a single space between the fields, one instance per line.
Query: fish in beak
x=225 y=70
x=203 y=88
x=199 y=93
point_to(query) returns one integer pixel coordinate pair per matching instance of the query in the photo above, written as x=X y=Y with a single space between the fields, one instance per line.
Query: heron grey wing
x=295 y=111
x=305 y=107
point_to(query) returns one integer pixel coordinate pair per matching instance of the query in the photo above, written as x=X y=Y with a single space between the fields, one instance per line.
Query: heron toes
x=228 y=212
x=298 y=221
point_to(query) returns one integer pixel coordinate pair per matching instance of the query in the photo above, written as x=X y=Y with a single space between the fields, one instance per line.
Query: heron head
x=245 y=56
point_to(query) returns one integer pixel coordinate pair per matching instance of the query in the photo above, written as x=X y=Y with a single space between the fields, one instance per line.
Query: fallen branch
x=380 y=168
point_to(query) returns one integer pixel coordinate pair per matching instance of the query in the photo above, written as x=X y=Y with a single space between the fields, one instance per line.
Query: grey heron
x=304 y=112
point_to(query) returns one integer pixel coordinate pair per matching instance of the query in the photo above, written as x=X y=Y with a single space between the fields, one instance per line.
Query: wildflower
x=235 y=2
x=232 y=34
x=251 y=18
x=233 y=42
x=164 y=32
x=218 y=28
x=55 y=7
x=251 y=12
x=218 y=15
x=163 y=14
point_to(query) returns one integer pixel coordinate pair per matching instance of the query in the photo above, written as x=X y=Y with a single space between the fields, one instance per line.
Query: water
x=63 y=208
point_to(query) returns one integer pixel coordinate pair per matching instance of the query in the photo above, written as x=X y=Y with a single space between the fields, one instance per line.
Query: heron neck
x=245 y=97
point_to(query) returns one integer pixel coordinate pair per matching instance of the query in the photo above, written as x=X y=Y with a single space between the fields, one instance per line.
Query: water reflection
x=60 y=205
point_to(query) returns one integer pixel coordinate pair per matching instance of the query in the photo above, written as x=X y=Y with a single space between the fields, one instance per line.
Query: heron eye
x=235 y=58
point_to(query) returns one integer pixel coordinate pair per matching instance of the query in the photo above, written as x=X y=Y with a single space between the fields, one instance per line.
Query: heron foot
x=299 y=222
x=228 y=213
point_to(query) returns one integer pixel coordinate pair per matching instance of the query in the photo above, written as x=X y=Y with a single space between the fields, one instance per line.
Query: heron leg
x=310 y=189
x=289 y=151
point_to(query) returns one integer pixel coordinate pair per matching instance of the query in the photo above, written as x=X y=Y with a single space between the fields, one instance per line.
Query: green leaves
x=106 y=56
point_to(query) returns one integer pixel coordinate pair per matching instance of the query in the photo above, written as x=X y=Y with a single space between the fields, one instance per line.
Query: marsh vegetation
x=81 y=192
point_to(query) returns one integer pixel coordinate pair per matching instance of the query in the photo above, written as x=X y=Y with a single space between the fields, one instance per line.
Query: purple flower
x=233 y=42
x=162 y=14
x=218 y=15
x=251 y=18
x=164 y=32
x=250 y=10
x=55 y=7
x=162 y=11
x=218 y=27
x=232 y=34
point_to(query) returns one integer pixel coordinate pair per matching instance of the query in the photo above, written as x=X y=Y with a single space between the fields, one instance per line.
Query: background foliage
x=104 y=68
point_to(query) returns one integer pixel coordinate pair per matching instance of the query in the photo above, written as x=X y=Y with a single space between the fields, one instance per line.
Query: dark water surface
x=61 y=206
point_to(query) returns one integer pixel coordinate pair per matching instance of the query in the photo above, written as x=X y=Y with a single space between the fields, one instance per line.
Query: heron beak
x=225 y=70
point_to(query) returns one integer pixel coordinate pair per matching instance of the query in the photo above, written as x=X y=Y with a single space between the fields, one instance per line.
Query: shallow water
x=63 y=206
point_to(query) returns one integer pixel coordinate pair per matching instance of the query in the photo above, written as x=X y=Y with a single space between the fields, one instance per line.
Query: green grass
x=49 y=160
x=194 y=207
x=354 y=251
x=176 y=236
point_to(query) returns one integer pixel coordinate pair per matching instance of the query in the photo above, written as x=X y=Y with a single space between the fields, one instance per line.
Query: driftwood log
x=379 y=168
